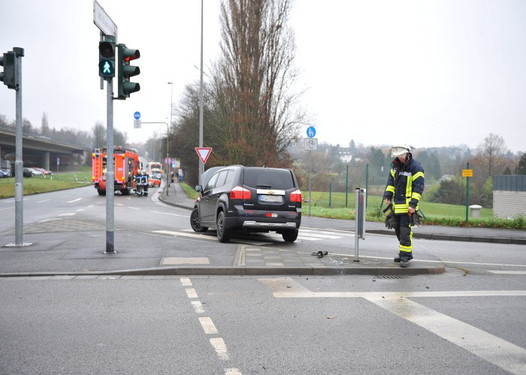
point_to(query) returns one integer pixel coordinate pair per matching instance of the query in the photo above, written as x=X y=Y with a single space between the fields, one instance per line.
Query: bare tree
x=493 y=149
x=253 y=82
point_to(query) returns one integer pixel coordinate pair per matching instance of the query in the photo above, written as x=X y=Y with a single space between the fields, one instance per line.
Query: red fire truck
x=126 y=162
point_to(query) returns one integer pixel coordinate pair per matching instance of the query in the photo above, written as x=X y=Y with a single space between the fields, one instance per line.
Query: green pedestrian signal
x=125 y=87
x=107 y=58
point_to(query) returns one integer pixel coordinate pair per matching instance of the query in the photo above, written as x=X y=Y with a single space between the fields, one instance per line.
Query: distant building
x=509 y=196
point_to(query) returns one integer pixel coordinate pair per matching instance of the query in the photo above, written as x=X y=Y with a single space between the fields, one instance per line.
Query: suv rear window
x=268 y=178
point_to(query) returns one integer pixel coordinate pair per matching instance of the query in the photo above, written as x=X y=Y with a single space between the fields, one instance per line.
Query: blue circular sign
x=311 y=131
x=137 y=115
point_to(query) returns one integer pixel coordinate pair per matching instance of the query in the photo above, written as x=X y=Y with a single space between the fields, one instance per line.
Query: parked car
x=27 y=172
x=251 y=199
x=5 y=173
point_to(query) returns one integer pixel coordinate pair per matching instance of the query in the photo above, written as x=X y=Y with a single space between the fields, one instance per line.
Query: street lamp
x=168 y=177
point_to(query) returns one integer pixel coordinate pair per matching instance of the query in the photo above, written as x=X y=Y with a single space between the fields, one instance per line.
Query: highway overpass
x=40 y=152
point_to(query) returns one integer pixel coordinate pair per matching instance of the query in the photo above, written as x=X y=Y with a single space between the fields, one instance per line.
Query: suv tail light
x=240 y=193
x=295 y=196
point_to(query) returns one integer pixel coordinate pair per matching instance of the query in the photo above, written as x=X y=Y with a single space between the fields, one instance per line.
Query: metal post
x=360 y=221
x=330 y=195
x=201 y=164
x=168 y=178
x=310 y=173
x=347 y=186
x=366 y=182
x=19 y=163
x=110 y=173
x=467 y=194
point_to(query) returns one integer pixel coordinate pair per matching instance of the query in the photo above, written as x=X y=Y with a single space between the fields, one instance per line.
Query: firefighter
x=405 y=186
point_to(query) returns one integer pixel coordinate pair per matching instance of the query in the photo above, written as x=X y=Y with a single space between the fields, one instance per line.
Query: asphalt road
x=468 y=320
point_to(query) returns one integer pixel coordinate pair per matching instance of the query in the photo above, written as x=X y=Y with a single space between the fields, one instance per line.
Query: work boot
x=397 y=260
x=404 y=262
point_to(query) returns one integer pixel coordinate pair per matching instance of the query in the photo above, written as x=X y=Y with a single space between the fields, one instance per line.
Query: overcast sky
x=427 y=73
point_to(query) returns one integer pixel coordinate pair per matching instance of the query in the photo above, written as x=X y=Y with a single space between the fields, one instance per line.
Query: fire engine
x=126 y=162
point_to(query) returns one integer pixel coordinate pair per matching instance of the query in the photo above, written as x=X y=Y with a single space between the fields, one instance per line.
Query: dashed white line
x=74 y=200
x=191 y=293
x=208 y=325
x=508 y=272
x=198 y=307
x=220 y=347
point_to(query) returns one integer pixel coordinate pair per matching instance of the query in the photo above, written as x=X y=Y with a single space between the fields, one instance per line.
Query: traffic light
x=9 y=76
x=126 y=71
x=107 y=58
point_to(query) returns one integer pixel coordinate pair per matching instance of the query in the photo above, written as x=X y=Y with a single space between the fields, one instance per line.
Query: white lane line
x=45 y=200
x=508 y=272
x=170 y=214
x=317 y=232
x=68 y=214
x=185 y=281
x=220 y=347
x=198 y=307
x=183 y=234
x=232 y=371
x=191 y=293
x=208 y=325
x=493 y=349
x=74 y=200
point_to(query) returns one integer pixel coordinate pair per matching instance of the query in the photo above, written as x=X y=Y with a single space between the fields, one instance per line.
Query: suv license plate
x=270 y=198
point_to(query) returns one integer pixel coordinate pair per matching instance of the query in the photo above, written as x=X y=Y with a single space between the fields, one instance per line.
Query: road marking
x=493 y=349
x=208 y=325
x=68 y=214
x=168 y=213
x=45 y=200
x=191 y=293
x=232 y=371
x=220 y=347
x=508 y=272
x=183 y=234
x=185 y=281
x=74 y=200
x=198 y=307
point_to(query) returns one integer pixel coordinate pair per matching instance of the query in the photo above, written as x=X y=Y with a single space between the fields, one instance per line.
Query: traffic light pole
x=110 y=174
x=19 y=163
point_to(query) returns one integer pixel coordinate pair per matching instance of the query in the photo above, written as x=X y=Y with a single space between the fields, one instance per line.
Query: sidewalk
x=57 y=252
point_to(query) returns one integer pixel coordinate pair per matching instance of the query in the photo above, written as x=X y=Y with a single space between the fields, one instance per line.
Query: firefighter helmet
x=400 y=150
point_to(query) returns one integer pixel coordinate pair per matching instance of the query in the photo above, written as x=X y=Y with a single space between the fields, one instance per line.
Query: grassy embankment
x=435 y=213
x=41 y=184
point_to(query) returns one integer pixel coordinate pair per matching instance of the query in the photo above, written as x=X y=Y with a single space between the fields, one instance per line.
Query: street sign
x=137 y=115
x=137 y=124
x=204 y=153
x=311 y=144
x=467 y=173
x=103 y=21
x=311 y=131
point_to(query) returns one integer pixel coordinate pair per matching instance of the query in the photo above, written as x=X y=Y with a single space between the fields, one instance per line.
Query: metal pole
x=110 y=173
x=347 y=186
x=366 y=182
x=310 y=177
x=168 y=177
x=467 y=194
x=19 y=163
x=357 y=227
x=201 y=164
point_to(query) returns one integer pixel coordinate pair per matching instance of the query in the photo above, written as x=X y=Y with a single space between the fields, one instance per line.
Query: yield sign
x=204 y=153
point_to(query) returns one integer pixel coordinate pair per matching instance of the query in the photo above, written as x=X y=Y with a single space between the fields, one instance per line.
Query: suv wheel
x=194 y=222
x=290 y=235
x=223 y=233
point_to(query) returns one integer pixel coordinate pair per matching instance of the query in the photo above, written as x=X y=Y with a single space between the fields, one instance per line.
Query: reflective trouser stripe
x=408 y=247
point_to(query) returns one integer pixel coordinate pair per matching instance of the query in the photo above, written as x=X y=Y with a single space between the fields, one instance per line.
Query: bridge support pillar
x=45 y=161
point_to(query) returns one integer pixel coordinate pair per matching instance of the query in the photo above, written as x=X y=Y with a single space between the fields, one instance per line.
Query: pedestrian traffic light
x=125 y=87
x=9 y=76
x=107 y=58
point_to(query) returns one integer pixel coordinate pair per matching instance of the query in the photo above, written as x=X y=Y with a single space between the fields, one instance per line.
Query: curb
x=459 y=238
x=246 y=271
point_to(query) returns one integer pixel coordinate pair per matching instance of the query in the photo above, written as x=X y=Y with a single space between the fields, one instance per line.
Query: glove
x=415 y=220
x=390 y=221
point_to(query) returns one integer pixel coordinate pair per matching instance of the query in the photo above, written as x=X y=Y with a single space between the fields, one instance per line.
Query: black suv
x=252 y=199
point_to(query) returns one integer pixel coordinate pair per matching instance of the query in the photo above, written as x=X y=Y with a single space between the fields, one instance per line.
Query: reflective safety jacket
x=405 y=185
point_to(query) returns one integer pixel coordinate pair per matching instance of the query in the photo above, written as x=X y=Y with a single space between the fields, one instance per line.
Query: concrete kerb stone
x=243 y=271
